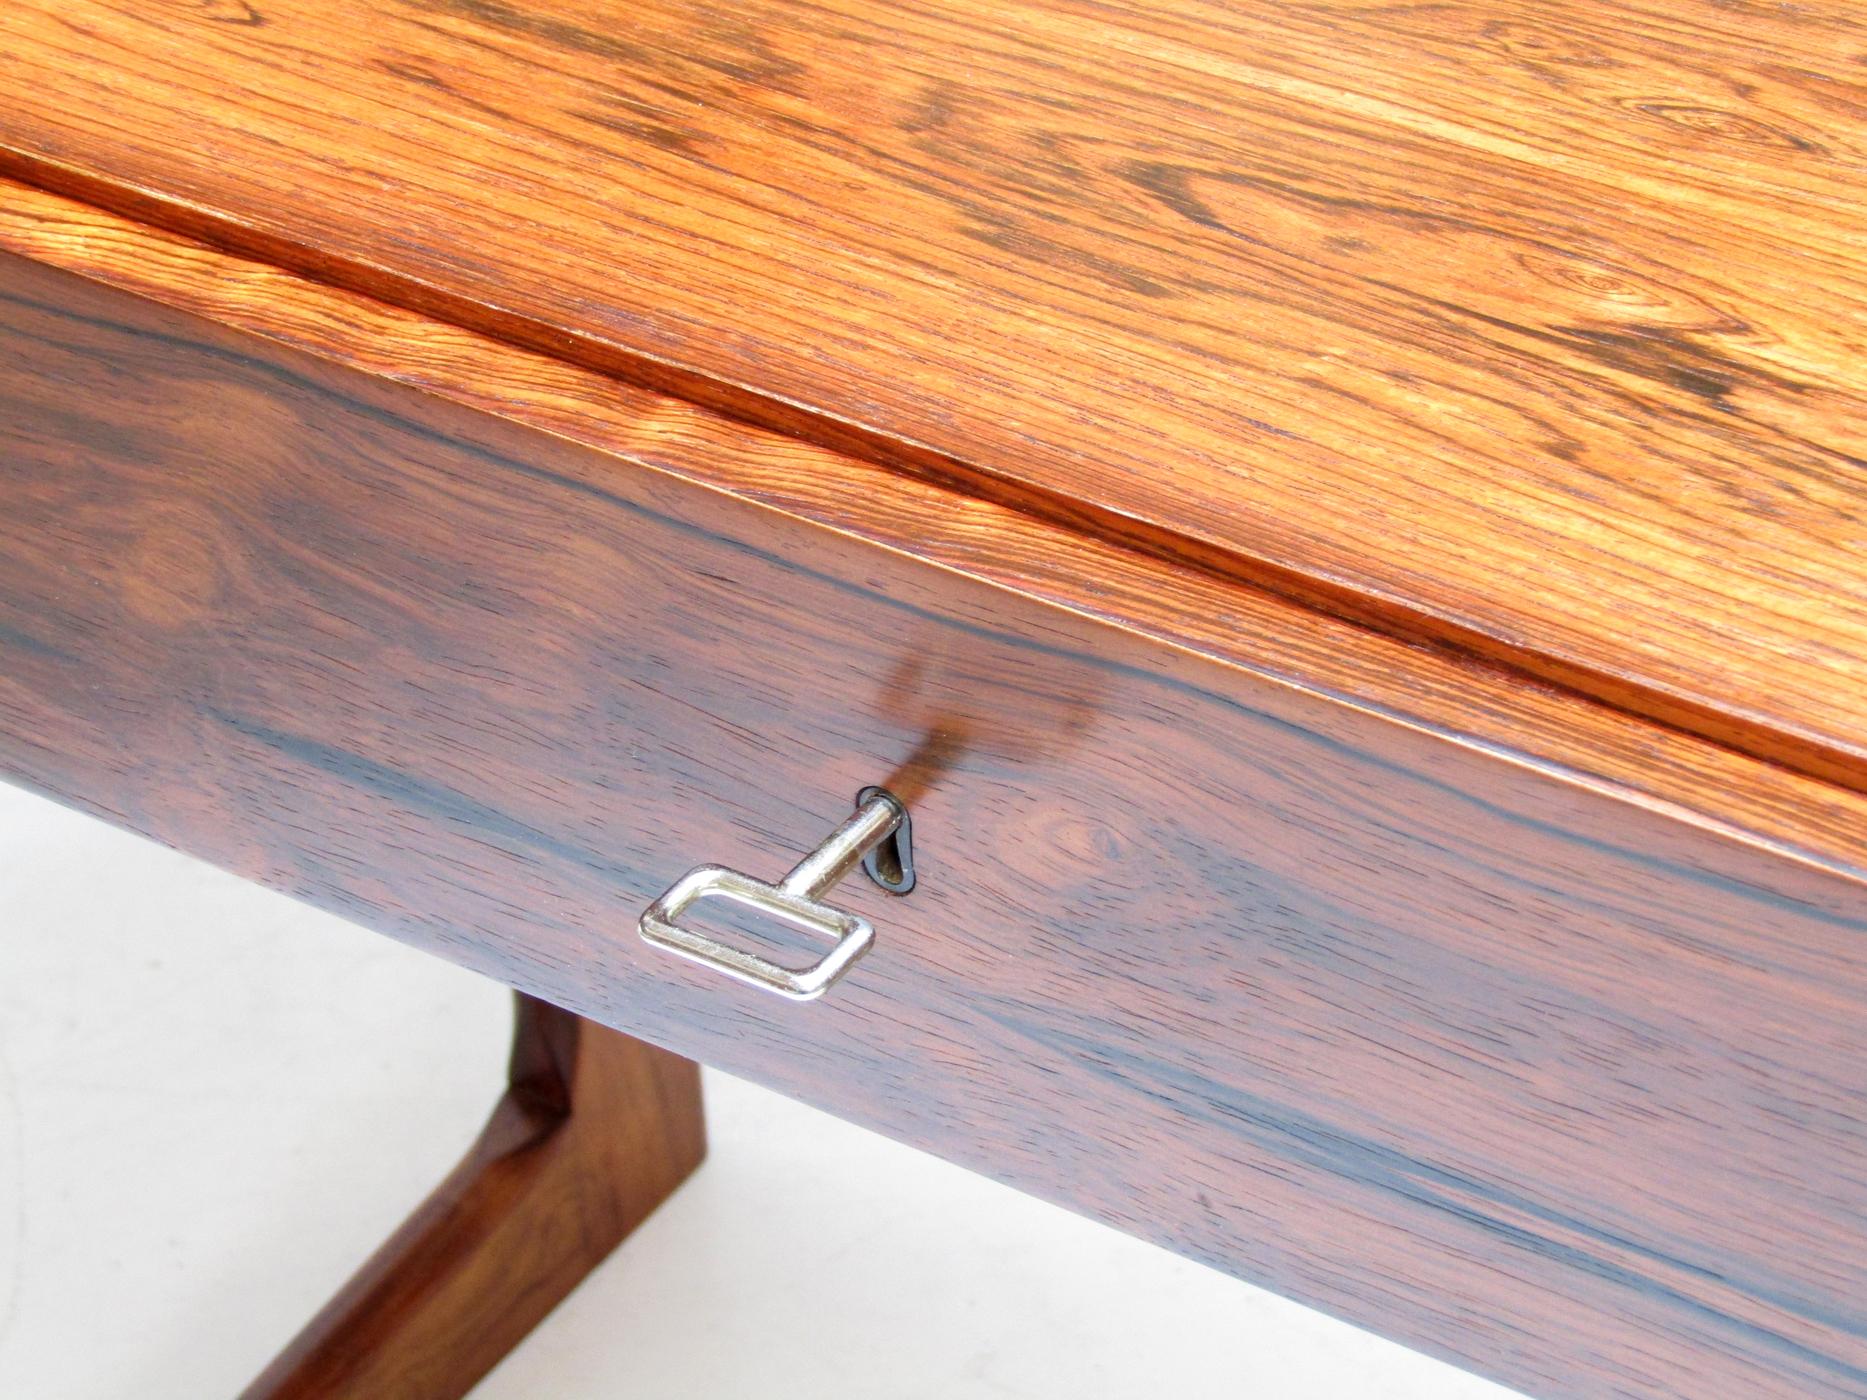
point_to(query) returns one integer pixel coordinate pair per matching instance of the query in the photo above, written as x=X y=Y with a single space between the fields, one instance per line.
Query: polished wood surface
x=1449 y=693
x=1533 y=329
x=594 y=1131
x=1520 y=1060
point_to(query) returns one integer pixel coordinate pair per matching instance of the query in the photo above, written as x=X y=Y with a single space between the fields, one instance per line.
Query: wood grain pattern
x=594 y=1131
x=1534 y=329
x=1450 y=694
x=1536 y=1073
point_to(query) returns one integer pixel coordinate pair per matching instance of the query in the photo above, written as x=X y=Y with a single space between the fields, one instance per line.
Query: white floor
x=214 y=1102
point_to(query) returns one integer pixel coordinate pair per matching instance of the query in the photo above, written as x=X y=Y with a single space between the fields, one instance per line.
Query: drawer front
x=1516 y=1072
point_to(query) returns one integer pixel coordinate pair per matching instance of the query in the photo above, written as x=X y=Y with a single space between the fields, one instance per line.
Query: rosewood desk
x=1342 y=527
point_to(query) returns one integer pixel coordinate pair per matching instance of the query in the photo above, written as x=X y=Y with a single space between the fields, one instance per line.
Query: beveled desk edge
x=1464 y=698
x=1724 y=819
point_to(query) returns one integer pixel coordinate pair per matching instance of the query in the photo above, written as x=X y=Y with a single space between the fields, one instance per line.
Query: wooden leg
x=594 y=1131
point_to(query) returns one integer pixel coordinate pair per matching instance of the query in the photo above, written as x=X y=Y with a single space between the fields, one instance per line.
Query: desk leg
x=594 y=1131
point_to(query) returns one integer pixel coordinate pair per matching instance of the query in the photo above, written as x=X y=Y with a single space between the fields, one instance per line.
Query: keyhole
x=891 y=863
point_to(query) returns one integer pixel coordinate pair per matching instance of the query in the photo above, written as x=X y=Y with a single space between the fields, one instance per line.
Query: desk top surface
x=1538 y=330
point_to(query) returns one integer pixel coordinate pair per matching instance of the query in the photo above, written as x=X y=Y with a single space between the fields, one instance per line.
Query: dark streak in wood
x=1539 y=1074
x=1531 y=332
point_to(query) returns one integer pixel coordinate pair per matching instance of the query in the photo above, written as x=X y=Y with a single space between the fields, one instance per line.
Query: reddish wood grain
x=594 y=1131
x=1446 y=692
x=1530 y=1071
x=1537 y=329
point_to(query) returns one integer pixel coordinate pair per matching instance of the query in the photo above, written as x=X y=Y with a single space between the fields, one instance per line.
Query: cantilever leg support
x=594 y=1131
